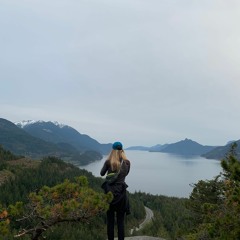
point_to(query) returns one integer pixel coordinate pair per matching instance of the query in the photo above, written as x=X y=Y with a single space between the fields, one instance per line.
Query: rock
x=142 y=238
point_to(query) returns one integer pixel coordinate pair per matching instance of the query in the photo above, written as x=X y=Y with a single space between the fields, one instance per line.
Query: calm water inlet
x=164 y=174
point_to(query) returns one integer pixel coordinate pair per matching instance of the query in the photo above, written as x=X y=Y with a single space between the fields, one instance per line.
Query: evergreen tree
x=217 y=202
x=65 y=202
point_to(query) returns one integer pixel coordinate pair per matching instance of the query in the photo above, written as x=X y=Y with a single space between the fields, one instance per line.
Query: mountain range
x=222 y=151
x=59 y=133
x=186 y=147
x=183 y=147
x=37 y=139
x=190 y=147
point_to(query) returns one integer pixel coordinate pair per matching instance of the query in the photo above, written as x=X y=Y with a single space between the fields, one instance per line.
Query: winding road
x=148 y=218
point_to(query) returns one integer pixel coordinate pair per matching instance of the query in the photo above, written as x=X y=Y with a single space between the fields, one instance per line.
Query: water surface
x=164 y=174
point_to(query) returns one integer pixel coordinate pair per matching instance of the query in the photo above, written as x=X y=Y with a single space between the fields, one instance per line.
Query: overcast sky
x=143 y=72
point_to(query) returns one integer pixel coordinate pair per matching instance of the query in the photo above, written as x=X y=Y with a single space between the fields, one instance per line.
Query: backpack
x=112 y=177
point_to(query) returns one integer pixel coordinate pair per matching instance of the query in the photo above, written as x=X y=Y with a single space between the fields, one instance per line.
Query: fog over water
x=164 y=174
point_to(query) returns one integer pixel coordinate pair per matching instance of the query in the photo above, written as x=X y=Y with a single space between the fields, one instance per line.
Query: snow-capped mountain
x=61 y=125
x=38 y=139
x=55 y=132
x=25 y=123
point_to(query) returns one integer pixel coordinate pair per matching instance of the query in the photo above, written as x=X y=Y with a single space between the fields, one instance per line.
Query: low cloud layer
x=142 y=72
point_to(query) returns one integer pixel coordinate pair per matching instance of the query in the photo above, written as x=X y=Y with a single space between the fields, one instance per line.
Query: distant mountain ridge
x=190 y=147
x=158 y=147
x=20 y=142
x=183 y=147
x=139 y=148
x=38 y=139
x=187 y=147
x=56 y=132
x=220 y=152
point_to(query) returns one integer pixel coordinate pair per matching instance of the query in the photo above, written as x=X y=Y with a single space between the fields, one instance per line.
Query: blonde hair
x=114 y=159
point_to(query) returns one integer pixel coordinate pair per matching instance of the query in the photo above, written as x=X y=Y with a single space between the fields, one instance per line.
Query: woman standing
x=117 y=163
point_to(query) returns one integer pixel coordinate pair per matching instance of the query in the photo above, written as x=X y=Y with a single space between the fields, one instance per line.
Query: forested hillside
x=41 y=189
x=55 y=132
x=220 y=152
x=21 y=142
x=26 y=176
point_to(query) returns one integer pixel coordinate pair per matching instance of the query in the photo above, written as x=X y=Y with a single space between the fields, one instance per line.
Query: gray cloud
x=144 y=72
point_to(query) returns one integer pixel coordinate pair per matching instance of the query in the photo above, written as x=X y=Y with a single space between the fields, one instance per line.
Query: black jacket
x=125 y=168
x=118 y=188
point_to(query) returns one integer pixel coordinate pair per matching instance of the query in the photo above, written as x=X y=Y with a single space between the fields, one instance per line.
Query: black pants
x=118 y=210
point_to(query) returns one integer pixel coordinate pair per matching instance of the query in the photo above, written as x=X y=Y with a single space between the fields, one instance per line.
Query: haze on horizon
x=142 y=72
